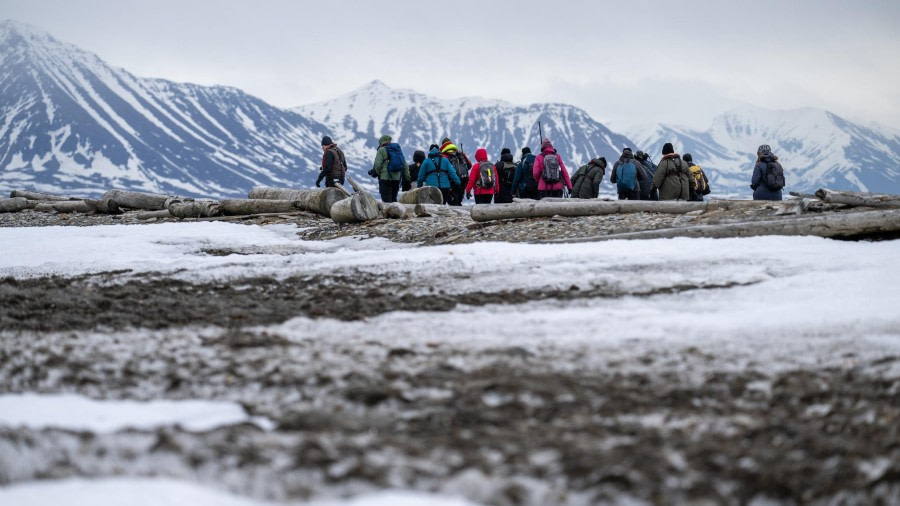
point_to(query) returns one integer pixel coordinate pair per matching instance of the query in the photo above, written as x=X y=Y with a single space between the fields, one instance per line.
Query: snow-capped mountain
x=69 y=122
x=416 y=121
x=817 y=149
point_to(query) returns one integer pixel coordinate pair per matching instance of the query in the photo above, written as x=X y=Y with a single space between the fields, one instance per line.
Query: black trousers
x=329 y=182
x=388 y=189
x=551 y=193
x=460 y=192
x=483 y=199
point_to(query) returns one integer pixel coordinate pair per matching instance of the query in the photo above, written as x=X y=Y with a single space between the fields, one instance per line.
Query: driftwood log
x=237 y=207
x=194 y=208
x=13 y=205
x=847 y=224
x=104 y=205
x=153 y=215
x=65 y=206
x=47 y=197
x=398 y=211
x=139 y=200
x=425 y=210
x=317 y=200
x=423 y=195
x=360 y=207
x=859 y=199
x=577 y=207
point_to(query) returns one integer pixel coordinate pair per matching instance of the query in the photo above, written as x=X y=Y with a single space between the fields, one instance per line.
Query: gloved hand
x=318 y=183
x=468 y=196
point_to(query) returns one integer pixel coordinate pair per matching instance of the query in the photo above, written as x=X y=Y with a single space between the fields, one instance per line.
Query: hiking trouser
x=329 y=182
x=448 y=195
x=460 y=192
x=550 y=193
x=530 y=194
x=632 y=195
x=388 y=188
x=484 y=199
x=646 y=194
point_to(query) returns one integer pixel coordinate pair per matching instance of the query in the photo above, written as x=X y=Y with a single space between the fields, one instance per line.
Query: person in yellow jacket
x=702 y=183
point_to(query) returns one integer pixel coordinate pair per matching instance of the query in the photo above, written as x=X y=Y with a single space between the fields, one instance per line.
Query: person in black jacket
x=506 y=172
x=334 y=165
x=418 y=158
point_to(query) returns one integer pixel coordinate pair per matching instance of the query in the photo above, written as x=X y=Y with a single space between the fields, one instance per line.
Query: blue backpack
x=396 y=161
x=626 y=177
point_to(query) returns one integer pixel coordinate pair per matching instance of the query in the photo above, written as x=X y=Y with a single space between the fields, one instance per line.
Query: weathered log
x=398 y=211
x=13 y=205
x=153 y=215
x=346 y=192
x=236 y=207
x=423 y=195
x=105 y=206
x=847 y=224
x=47 y=197
x=317 y=200
x=194 y=208
x=424 y=210
x=859 y=199
x=353 y=184
x=68 y=206
x=139 y=200
x=360 y=207
x=577 y=207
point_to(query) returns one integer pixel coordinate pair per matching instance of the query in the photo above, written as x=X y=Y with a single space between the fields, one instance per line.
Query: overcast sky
x=625 y=62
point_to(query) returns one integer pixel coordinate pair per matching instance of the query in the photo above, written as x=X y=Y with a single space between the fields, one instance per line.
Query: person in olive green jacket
x=586 y=180
x=388 y=182
x=673 y=177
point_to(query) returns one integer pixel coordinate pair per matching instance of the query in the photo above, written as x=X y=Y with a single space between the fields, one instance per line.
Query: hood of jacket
x=434 y=151
x=481 y=155
x=548 y=149
x=384 y=139
x=599 y=162
x=670 y=156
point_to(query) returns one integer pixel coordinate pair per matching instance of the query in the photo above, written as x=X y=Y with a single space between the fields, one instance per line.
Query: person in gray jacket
x=768 y=175
x=647 y=191
x=586 y=180
x=673 y=178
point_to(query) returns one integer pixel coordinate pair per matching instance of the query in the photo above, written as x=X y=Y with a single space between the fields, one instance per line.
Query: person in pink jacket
x=483 y=178
x=550 y=172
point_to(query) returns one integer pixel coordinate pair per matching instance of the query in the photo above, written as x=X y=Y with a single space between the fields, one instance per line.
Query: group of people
x=543 y=175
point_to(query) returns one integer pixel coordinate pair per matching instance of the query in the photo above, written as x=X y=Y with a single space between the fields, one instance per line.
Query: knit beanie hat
x=668 y=149
x=419 y=156
x=326 y=141
x=445 y=140
x=764 y=150
x=687 y=157
x=626 y=151
x=505 y=151
x=526 y=150
x=545 y=143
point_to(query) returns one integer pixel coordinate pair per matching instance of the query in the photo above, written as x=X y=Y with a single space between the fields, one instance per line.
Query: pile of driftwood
x=336 y=203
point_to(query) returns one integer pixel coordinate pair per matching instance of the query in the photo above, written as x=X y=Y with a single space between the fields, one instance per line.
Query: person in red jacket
x=483 y=179
x=549 y=164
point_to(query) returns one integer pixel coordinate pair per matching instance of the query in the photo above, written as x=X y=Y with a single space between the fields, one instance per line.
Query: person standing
x=701 y=184
x=524 y=185
x=460 y=163
x=438 y=172
x=390 y=167
x=647 y=190
x=483 y=179
x=550 y=172
x=506 y=173
x=672 y=177
x=586 y=180
x=418 y=158
x=768 y=175
x=627 y=175
x=334 y=165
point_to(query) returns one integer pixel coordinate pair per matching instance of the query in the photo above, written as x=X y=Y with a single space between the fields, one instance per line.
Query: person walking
x=672 y=177
x=550 y=172
x=768 y=175
x=483 y=179
x=524 y=185
x=460 y=163
x=438 y=172
x=586 y=180
x=334 y=165
x=627 y=175
x=418 y=158
x=506 y=173
x=647 y=190
x=390 y=167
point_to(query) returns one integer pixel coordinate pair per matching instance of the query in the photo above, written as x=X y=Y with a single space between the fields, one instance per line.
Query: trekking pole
x=541 y=136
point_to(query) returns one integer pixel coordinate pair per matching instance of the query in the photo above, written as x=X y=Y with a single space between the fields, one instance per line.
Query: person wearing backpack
x=768 y=175
x=438 y=172
x=418 y=158
x=647 y=190
x=483 y=179
x=586 y=180
x=550 y=172
x=506 y=173
x=461 y=163
x=390 y=167
x=672 y=178
x=700 y=181
x=627 y=175
x=524 y=185
x=334 y=165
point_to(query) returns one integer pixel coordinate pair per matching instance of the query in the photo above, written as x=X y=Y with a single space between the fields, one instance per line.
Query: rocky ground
x=501 y=423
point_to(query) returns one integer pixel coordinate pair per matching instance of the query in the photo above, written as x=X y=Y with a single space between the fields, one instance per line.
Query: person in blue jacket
x=767 y=162
x=437 y=171
x=524 y=186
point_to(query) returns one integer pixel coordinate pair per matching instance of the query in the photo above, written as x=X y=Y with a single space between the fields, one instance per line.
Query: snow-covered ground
x=772 y=304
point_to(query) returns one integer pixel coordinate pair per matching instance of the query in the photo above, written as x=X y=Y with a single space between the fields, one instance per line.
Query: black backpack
x=458 y=161
x=530 y=183
x=508 y=172
x=774 y=177
x=487 y=176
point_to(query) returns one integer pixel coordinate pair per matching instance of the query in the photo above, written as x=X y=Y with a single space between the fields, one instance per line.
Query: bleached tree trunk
x=47 y=197
x=13 y=205
x=578 y=207
x=105 y=206
x=153 y=215
x=846 y=224
x=423 y=195
x=236 y=207
x=68 y=206
x=360 y=207
x=398 y=211
x=859 y=199
x=317 y=200
x=424 y=210
x=139 y=200
x=194 y=208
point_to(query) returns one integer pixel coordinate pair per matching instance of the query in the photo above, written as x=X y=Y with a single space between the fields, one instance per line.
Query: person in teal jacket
x=437 y=171
x=388 y=182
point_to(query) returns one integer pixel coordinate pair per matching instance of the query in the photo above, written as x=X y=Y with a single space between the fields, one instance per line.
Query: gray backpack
x=551 y=171
x=487 y=176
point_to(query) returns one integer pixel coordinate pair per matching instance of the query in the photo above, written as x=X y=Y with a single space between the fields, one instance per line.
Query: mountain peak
x=11 y=29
